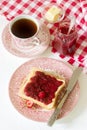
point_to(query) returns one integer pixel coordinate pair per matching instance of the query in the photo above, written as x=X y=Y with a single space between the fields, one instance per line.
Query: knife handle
x=57 y=110
x=54 y=116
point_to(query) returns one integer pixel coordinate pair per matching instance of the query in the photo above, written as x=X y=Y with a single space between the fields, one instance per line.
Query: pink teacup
x=24 y=30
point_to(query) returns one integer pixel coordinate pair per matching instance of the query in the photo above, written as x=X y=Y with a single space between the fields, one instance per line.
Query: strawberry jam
x=65 y=42
x=65 y=29
x=42 y=87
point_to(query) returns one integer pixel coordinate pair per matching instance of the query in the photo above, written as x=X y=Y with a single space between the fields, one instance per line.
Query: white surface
x=10 y=119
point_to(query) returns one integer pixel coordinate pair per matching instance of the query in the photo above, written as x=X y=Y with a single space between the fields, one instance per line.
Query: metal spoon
x=72 y=23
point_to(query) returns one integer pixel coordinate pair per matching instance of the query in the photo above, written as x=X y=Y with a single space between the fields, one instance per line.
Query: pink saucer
x=43 y=36
x=36 y=113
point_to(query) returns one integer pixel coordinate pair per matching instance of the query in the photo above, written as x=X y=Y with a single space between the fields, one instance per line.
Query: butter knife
x=70 y=86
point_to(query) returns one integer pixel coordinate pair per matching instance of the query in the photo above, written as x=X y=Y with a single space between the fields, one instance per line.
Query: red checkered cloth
x=12 y=8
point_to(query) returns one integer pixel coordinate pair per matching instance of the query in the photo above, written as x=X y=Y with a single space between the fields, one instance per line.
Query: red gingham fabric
x=12 y=8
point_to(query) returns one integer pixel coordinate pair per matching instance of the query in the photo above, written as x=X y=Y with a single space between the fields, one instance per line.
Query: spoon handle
x=72 y=23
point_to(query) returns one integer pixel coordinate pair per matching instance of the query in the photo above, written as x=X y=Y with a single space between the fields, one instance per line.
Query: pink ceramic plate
x=36 y=113
x=43 y=36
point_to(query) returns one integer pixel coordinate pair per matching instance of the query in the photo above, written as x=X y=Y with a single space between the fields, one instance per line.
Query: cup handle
x=36 y=41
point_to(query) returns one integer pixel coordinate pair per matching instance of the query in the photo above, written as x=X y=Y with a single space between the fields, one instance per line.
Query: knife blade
x=70 y=87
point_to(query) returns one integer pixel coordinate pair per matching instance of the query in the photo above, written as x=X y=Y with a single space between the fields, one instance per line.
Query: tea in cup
x=24 y=30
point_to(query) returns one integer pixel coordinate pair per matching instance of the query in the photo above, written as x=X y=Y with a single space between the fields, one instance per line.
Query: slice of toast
x=42 y=88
